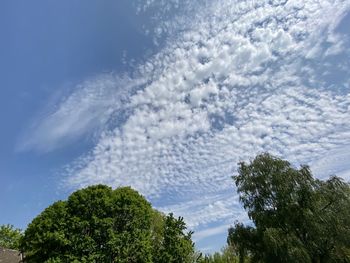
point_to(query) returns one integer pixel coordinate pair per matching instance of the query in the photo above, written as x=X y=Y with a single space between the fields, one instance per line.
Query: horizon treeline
x=295 y=218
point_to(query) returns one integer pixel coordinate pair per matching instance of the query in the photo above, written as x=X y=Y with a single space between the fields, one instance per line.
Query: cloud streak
x=88 y=109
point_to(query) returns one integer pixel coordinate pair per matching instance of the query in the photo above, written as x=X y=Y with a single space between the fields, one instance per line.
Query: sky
x=167 y=97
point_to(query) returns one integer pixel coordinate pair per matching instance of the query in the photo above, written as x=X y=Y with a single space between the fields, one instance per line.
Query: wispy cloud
x=88 y=109
x=335 y=162
x=244 y=77
x=211 y=231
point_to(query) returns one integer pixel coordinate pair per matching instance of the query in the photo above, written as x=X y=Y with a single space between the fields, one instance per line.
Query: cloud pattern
x=234 y=79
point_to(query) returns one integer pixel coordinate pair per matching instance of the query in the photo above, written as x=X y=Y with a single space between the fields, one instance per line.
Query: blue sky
x=47 y=48
x=167 y=96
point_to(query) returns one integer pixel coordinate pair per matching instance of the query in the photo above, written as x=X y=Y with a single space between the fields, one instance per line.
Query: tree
x=226 y=255
x=176 y=245
x=296 y=218
x=10 y=236
x=46 y=238
x=98 y=224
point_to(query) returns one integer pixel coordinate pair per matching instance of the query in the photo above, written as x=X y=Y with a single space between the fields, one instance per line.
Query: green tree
x=176 y=245
x=47 y=236
x=98 y=224
x=226 y=255
x=10 y=236
x=296 y=218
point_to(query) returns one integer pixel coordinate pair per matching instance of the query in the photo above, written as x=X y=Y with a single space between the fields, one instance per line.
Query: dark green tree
x=97 y=224
x=10 y=236
x=296 y=218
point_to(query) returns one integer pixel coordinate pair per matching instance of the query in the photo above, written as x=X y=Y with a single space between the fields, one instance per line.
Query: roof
x=10 y=256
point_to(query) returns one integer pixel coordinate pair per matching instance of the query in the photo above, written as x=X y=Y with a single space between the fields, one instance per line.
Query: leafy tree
x=157 y=233
x=297 y=218
x=176 y=245
x=10 y=236
x=98 y=224
x=46 y=237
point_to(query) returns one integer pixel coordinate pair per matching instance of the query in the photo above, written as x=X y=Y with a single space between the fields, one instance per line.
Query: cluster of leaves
x=10 y=237
x=98 y=224
x=296 y=218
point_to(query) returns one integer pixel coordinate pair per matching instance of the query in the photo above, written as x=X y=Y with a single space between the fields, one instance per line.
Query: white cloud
x=88 y=108
x=244 y=77
x=211 y=232
x=335 y=162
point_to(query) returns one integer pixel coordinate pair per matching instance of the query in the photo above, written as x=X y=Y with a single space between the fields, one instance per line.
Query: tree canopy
x=98 y=224
x=10 y=236
x=296 y=218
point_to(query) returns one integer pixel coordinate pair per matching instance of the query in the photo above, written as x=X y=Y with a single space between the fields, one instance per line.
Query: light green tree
x=10 y=236
x=176 y=244
x=227 y=254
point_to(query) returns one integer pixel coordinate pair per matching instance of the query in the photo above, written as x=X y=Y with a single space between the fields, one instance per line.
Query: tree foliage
x=10 y=236
x=227 y=255
x=98 y=224
x=176 y=245
x=296 y=218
